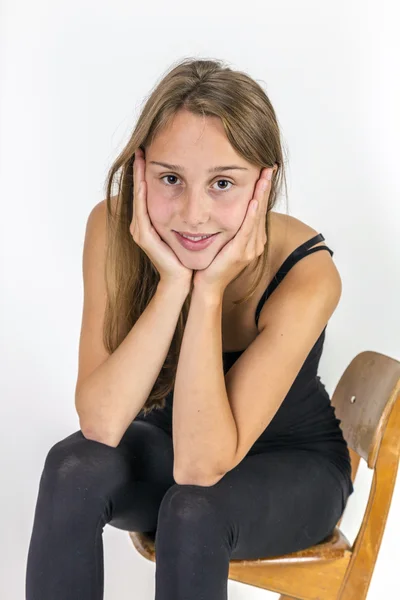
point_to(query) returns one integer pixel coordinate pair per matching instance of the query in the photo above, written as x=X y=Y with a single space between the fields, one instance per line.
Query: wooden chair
x=366 y=399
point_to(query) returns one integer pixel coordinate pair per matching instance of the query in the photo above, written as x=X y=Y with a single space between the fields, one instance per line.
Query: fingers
x=138 y=185
x=261 y=194
x=249 y=223
x=138 y=169
x=263 y=190
x=264 y=184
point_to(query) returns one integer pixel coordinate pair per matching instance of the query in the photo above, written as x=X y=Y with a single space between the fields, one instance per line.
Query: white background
x=73 y=77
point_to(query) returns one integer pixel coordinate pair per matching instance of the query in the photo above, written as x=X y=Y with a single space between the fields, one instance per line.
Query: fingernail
x=264 y=185
x=269 y=174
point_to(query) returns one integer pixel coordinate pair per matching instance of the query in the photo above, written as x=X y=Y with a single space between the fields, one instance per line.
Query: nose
x=195 y=208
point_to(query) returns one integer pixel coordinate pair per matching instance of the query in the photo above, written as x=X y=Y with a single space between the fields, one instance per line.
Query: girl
x=203 y=421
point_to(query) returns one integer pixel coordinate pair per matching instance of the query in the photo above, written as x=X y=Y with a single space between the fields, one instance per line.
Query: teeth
x=194 y=239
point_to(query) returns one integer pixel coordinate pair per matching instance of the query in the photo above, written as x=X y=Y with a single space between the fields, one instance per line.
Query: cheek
x=159 y=207
x=232 y=210
x=231 y=216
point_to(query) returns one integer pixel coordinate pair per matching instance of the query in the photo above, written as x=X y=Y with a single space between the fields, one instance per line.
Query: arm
x=111 y=397
x=204 y=430
x=291 y=322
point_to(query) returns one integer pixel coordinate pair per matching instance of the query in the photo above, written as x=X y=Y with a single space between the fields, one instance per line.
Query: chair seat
x=334 y=547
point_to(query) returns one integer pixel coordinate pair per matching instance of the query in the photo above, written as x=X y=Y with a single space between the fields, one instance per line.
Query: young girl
x=203 y=421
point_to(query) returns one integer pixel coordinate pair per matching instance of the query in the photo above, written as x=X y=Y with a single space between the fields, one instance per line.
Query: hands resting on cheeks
x=241 y=250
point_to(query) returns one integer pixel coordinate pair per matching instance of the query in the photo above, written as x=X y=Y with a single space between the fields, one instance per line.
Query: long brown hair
x=206 y=88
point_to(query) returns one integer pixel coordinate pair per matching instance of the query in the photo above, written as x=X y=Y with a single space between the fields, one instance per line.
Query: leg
x=270 y=504
x=85 y=485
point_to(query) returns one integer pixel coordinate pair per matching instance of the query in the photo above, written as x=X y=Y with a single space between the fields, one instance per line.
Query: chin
x=198 y=261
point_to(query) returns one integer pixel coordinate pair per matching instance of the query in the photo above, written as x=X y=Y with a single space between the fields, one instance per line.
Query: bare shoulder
x=97 y=220
x=288 y=234
x=101 y=207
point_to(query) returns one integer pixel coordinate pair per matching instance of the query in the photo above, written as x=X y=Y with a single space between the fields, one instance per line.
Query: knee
x=75 y=458
x=192 y=505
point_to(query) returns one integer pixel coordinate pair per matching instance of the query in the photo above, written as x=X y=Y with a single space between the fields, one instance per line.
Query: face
x=197 y=197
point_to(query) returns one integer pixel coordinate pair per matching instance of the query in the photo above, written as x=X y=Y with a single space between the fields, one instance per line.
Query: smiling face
x=197 y=197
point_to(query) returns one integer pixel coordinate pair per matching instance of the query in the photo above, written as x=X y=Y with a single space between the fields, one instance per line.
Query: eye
x=174 y=177
x=226 y=181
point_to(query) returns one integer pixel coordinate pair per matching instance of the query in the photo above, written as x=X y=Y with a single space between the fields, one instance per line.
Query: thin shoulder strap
x=297 y=254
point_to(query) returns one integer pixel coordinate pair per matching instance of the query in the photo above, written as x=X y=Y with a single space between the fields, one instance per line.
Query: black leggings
x=270 y=504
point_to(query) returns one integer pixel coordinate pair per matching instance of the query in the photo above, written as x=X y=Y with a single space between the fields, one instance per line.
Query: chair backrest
x=364 y=398
x=367 y=401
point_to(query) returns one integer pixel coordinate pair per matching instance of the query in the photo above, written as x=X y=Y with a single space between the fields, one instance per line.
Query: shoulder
x=101 y=207
x=315 y=274
x=97 y=219
x=288 y=233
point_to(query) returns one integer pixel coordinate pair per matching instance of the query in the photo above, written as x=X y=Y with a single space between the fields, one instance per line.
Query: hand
x=244 y=247
x=168 y=265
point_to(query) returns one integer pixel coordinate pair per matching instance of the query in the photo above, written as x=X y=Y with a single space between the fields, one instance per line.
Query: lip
x=194 y=234
x=190 y=245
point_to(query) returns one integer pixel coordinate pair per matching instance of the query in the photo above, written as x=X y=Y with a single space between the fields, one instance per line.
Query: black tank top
x=304 y=250
x=306 y=418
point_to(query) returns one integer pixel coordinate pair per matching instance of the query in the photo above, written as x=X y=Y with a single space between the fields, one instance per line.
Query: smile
x=199 y=244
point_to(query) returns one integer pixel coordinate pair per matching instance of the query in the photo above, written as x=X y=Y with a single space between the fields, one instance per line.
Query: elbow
x=204 y=479
x=191 y=473
x=204 y=474
x=101 y=438
x=88 y=429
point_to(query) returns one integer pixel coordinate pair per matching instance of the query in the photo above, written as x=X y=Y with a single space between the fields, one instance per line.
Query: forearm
x=111 y=397
x=204 y=429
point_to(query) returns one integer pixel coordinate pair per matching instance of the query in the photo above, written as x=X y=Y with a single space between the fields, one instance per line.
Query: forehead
x=189 y=139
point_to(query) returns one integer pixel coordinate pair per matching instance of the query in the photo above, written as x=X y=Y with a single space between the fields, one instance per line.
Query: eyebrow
x=212 y=170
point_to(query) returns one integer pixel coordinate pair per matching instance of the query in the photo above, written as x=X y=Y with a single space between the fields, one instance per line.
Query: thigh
x=149 y=447
x=125 y=483
x=279 y=502
x=149 y=451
